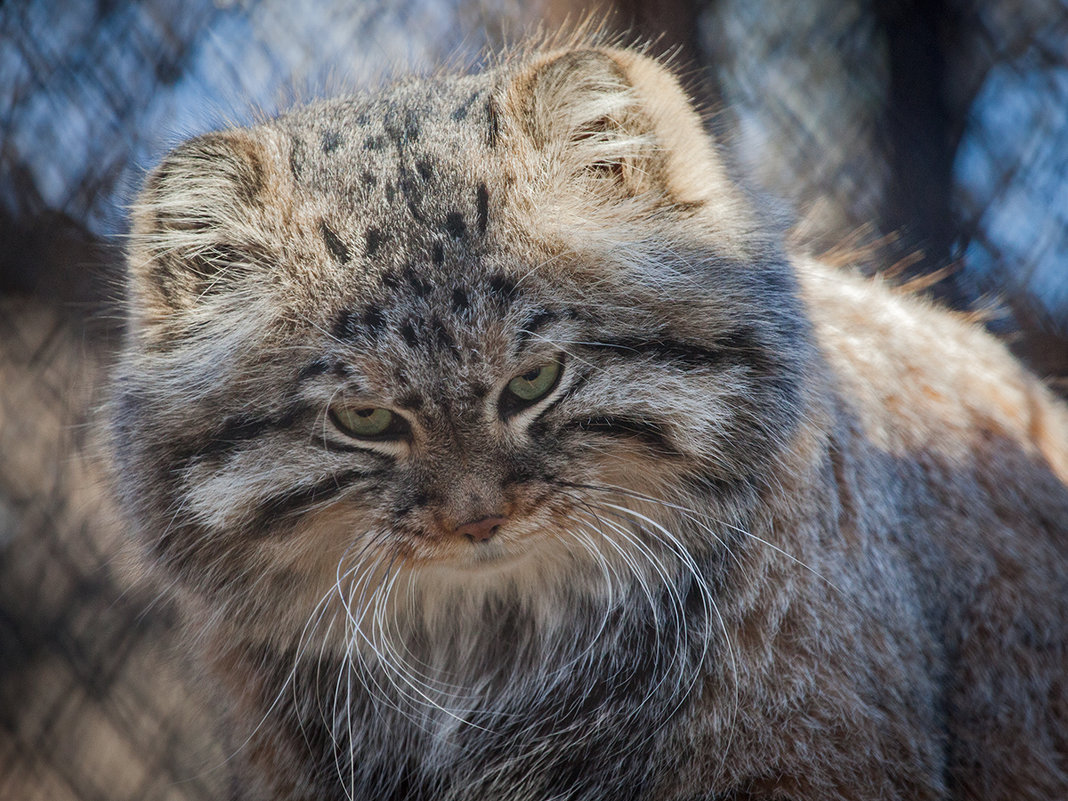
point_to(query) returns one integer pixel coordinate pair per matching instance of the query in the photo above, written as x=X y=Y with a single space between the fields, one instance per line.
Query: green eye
x=368 y=423
x=535 y=383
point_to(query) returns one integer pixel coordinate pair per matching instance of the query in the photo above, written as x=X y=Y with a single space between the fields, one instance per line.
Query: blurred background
x=925 y=139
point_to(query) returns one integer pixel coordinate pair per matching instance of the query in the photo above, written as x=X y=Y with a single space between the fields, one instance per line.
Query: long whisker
x=700 y=519
x=709 y=603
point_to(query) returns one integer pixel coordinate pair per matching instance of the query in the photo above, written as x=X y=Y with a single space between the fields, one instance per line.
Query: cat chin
x=441 y=597
x=542 y=568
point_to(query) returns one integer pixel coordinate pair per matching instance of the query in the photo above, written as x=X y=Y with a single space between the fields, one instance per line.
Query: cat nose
x=480 y=530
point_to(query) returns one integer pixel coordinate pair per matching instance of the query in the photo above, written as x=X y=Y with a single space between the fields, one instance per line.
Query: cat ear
x=195 y=229
x=618 y=122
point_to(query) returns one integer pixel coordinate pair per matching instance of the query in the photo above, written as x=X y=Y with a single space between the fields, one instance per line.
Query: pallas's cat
x=495 y=449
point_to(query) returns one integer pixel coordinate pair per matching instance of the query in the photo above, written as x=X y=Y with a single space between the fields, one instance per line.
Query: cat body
x=495 y=449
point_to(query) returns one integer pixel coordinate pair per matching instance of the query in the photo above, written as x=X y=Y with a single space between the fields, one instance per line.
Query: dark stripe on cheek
x=573 y=389
x=733 y=348
x=271 y=514
x=541 y=424
x=235 y=431
x=628 y=427
x=742 y=485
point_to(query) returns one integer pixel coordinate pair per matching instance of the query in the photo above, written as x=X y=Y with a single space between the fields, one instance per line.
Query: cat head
x=491 y=333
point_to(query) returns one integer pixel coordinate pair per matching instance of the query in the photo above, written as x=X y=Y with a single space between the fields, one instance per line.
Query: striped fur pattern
x=749 y=543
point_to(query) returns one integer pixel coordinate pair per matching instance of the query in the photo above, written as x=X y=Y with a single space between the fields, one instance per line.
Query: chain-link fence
x=928 y=136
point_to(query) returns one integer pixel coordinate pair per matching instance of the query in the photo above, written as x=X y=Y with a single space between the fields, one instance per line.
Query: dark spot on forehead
x=331 y=140
x=391 y=191
x=337 y=248
x=411 y=124
x=368 y=178
x=373 y=240
x=411 y=400
x=482 y=203
x=444 y=339
x=346 y=326
x=416 y=282
x=454 y=224
x=425 y=168
x=503 y=286
x=374 y=321
x=409 y=186
x=352 y=324
x=460 y=301
x=407 y=331
x=438 y=254
x=402 y=128
x=374 y=142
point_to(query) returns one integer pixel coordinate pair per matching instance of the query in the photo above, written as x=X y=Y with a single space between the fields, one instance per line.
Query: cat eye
x=369 y=423
x=530 y=387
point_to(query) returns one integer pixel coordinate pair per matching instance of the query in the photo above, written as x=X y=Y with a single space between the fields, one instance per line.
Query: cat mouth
x=464 y=555
x=490 y=552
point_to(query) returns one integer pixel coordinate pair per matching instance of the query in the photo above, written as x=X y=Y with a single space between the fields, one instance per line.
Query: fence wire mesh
x=928 y=135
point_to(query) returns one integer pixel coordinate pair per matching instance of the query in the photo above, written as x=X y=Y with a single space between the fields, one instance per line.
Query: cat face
x=486 y=336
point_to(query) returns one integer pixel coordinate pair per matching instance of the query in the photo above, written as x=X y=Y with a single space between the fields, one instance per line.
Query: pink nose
x=481 y=530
